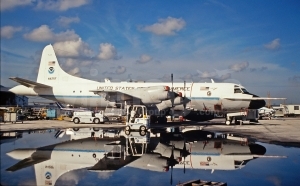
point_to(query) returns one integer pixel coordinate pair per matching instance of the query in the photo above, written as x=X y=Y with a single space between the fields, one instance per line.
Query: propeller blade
x=171 y=179
x=172 y=160
x=191 y=156
x=172 y=98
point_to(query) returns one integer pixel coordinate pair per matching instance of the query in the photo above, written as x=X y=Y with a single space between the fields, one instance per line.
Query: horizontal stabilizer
x=25 y=163
x=254 y=98
x=29 y=83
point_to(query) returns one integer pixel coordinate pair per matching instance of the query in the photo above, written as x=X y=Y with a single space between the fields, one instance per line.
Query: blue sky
x=254 y=43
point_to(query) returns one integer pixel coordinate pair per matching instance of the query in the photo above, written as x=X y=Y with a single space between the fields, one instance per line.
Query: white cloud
x=120 y=70
x=44 y=33
x=144 y=58
x=7 y=32
x=66 y=21
x=60 y=5
x=166 y=26
x=206 y=74
x=9 y=4
x=116 y=70
x=75 y=71
x=72 y=48
x=107 y=51
x=239 y=66
x=273 y=45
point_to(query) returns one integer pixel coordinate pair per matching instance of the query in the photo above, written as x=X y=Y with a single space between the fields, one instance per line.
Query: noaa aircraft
x=55 y=84
x=109 y=154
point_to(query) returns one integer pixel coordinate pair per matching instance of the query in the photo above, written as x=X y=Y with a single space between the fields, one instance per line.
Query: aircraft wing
x=152 y=94
x=123 y=96
x=29 y=83
x=26 y=163
x=111 y=164
x=254 y=98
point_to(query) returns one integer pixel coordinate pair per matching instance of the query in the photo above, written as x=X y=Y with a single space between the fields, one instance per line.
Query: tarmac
x=280 y=131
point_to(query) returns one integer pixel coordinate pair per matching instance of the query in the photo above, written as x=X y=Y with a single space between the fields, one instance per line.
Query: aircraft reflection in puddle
x=109 y=150
x=7 y=137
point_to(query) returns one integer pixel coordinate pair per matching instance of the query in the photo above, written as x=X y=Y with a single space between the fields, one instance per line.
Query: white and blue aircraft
x=55 y=84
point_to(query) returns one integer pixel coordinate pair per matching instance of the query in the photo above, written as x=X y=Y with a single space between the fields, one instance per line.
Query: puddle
x=114 y=157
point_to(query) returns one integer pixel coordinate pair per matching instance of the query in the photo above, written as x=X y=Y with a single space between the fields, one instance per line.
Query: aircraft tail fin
x=51 y=73
x=25 y=163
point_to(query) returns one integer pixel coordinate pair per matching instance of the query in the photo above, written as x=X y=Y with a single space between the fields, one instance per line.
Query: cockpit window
x=237 y=90
x=245 y=91
x=241 y=90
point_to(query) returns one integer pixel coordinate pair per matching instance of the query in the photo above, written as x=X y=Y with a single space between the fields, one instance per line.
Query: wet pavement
x=106 y=156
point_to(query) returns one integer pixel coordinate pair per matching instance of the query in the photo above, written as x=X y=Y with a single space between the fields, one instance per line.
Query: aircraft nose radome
x=256 y=104
x=257 y=149
x=20 y=154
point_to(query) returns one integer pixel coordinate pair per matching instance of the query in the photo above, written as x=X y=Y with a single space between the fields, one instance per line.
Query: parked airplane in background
x=195 y=150
x=193 y=99
x=266 y=112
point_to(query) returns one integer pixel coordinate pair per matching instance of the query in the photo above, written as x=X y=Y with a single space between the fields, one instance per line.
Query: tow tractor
x=137 y=119
x=89 y=117
x=242 y=116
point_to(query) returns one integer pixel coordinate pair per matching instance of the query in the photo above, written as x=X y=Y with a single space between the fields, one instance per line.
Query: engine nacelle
x=153 y=95
x=168 y=103
x=198 y=115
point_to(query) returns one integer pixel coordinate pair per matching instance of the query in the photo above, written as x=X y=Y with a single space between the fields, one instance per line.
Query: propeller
x=172 y=98
x=171 y=164
x=184 y=153
x=191 y=156
x=184 y=96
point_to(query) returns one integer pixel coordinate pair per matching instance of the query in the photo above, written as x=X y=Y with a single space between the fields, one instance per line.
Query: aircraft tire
x=76 y=129
x=76 y=120
x=142 y=128
x=127 y=132
x=127 y=128
x=142 y=132
x=96 y=129
x=96 y=120
x=227 y=122
x=208 y=158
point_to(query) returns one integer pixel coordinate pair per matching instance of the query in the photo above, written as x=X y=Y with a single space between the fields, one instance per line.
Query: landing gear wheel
x=208 y=158
x=127 y=132
x=76 y=129
x=142 y=128
x=227 y=122
x=142 y=133
x=96 y=129
x=127 y=128
x=76 y=120
x=96 y=120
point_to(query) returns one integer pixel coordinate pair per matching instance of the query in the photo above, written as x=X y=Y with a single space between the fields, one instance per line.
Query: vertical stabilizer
x=50 y=72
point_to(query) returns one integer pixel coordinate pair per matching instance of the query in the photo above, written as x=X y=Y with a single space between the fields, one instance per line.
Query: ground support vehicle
x=89 y=117
x=137 y=119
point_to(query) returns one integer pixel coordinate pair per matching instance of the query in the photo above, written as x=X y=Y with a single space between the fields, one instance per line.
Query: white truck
x=89 y=117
